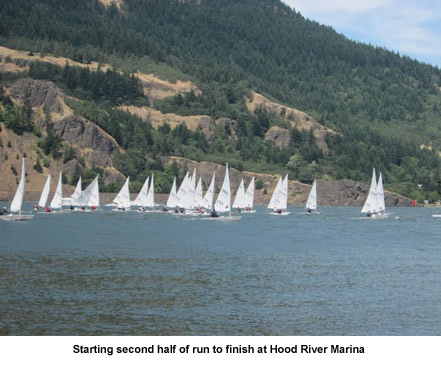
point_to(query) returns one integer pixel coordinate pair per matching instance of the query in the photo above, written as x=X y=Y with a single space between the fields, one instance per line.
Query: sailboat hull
x=18 y=217
x=283 y=213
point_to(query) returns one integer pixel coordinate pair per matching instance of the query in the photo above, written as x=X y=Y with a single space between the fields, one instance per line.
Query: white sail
x=141 y=199
x=198 y=194
x=239 y=200
x=275 y=196
x=224 y=198
x=191 y=192
x=150 y=202
x=122 y=200
x=311 y=203
x=249 y=195
x=45 y=193
x=284 y=194
x=207 y=201
x=76 y=194
x=182 y=191
x=172 y=200
x=380 y=195
x=90 y=196
x=58 y=196
x=371 y=204
x=19 y=194
x=186 y=193
x=94 y=198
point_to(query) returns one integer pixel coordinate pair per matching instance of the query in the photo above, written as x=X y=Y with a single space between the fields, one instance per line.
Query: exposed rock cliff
x=295 y=117
x=279 y=137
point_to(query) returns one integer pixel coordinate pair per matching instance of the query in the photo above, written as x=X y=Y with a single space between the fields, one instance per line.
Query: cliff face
x=294 y=117
x=91 y=143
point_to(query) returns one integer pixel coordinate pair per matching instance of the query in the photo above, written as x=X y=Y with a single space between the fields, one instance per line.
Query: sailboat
x=239 y=201
x=279 y=199
x=207 y=200
x=249 y=198
x=198 y=195
x=17 y=202
x=89 y=197
x=58 y=197
x=141 y=199
x=223 y=201
x=122 y=199
x=45 y=193
x=311 y=203
x=76 y=194
x=374 y=206
x=173 y=200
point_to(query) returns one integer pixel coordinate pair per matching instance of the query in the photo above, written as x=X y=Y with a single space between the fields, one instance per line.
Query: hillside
x=251 y=82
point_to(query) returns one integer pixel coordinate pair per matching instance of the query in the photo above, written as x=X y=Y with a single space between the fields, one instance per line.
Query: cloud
x=411 y=27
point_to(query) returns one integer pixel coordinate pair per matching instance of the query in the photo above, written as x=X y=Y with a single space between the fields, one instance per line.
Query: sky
x=411 y=27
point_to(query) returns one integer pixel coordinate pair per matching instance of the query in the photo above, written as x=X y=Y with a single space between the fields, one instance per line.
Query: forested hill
x=383 y=106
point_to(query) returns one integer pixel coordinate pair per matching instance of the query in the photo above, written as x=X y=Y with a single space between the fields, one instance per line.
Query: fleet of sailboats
x=188 y=199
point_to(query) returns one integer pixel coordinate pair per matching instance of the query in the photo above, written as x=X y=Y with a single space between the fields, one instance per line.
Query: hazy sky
x=411 y=27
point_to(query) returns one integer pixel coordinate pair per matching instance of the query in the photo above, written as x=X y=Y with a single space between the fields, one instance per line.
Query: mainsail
x=45 y=193
x=172 y=200
x=249 y=195
x=371 y=204
x=311 y=203
x=207 y=201
x=239 y=200
x=150 y=201
x=56 y=200
x=18 y=197
x=275 y=197
x=380 y=195
x=141 y=199
x=198 y=194
x=76 y=194
x=224 y=198
x=122 y=200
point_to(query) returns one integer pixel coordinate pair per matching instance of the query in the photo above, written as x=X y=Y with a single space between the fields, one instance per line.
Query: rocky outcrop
x=41 y=93
x=95 y=145
x=294 y=117
x=278 y=137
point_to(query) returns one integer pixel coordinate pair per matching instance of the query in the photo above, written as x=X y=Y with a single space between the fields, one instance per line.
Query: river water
x=110 y=273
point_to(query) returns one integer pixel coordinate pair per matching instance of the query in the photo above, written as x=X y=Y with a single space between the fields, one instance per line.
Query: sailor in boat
x=248 y=209
x=4 y=211
x=309 y=210
x=214 y=214
x=182 y=210
x=47 y=209
x=176 y=210
x=164 y=208
x=35 y=206
x=93 y=207
x=83 y=207
x=141 y=209
x=279 y=211
x=239 y=210
x=369 y=214
x=71 y=207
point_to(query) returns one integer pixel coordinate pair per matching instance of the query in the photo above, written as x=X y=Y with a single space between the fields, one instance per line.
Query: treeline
x=274 y=48
x=111 y=86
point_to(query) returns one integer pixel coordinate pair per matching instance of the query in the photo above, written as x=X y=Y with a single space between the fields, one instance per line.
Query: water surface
x=107 y=273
